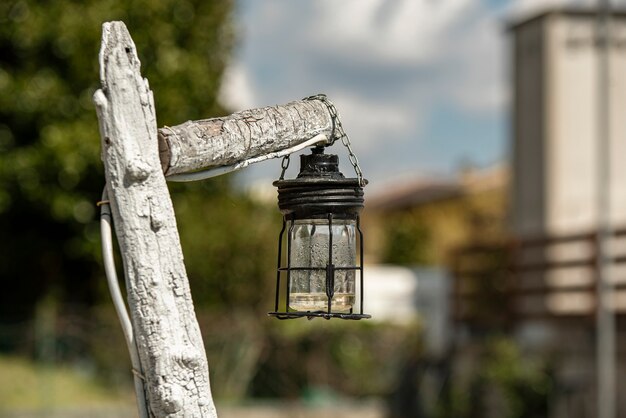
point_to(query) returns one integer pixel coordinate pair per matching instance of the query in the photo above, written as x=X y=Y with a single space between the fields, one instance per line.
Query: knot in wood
x=138 y=169
x=188 y=358
x=170 y=400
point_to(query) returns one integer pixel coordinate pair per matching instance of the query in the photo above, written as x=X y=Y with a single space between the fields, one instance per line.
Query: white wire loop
x=118 y=300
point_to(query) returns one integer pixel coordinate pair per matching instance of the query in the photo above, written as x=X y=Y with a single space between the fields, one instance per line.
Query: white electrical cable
x=118 y=301
x=218 y=171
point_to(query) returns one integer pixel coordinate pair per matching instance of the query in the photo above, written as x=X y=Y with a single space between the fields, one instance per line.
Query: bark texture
x=196 y=145
x=168 y=338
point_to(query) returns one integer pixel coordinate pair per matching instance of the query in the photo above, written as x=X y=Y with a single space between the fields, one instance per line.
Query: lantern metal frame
x=319 y=192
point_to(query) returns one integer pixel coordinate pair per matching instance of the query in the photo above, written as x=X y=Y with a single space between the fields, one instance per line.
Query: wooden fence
x=550 y=277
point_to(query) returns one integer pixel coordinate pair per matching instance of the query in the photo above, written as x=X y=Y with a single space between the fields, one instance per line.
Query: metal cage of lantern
x=319 y=192
x=330 y=275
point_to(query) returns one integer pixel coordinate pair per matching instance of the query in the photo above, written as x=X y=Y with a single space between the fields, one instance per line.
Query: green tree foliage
x=407 y=241
x=230 y=246
x=502 y=382
x=341 y=357
x=50 y=169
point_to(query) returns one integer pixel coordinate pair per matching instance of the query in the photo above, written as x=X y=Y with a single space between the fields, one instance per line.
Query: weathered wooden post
x=137 y=157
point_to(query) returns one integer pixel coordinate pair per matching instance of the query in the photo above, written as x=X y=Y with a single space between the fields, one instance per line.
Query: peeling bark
x=201 y=144
x=166 y=331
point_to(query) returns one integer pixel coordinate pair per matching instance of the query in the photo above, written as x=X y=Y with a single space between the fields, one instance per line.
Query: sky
x=422 y=86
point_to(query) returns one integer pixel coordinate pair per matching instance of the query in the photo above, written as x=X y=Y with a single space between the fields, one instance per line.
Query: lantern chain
x=284 y=165
x=340 y=133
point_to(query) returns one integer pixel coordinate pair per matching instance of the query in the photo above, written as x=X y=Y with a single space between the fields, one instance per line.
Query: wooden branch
x=167 y=335
x=196 y=145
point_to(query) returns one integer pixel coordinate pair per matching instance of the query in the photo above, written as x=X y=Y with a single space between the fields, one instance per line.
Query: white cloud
x=371 y=121
x=387 y=64
x=477 y=62
x=397 y=32
x=237 y=91
x=400 y=53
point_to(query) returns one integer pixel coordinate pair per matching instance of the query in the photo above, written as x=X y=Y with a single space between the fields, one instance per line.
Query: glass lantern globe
x=321 y=223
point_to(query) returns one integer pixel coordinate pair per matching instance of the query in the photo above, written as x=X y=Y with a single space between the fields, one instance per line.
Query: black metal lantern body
x=321 y=222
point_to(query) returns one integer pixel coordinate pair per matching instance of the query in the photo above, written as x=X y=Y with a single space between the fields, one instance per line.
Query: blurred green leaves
x=50 y=169
x=501 y=381
x=230 y=246
x=408 y=239
x=353 y=358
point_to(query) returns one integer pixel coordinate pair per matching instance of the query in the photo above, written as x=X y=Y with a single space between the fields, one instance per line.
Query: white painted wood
x=168 y=338
x=202 y=144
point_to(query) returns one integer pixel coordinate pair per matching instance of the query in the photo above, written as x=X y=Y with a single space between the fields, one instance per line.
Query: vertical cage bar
x=330 y=271
x=289 y=234
x=278 y=272
x=358 y=228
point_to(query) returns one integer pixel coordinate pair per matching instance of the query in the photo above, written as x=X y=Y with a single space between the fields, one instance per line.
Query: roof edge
x=525 y=18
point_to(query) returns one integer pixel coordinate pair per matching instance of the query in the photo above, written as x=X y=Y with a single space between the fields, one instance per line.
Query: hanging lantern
x=321 y=222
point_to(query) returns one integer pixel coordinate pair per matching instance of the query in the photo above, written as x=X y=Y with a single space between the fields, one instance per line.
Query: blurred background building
x=556 y=122
x=521 y=243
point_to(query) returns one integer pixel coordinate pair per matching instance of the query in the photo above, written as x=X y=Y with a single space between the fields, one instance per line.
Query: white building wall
x=618 y=120
x=571 y=128
x=555 y=188
x=405 y=295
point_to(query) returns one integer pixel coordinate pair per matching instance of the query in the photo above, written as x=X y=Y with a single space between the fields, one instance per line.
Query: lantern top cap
x=320 y=188
x=318 y=164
